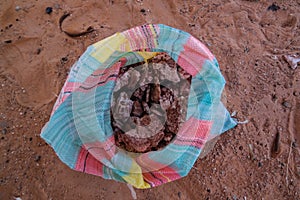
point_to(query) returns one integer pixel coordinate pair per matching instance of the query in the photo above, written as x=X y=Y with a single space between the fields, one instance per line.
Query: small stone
x=18 y=8
x=38 y=51
x=3 y=127
x=274 y=97
x=179 y=195
x=143 y=10
x=287 y=104
x=64 y=59
x=49 y=10
x=3 y=124
x=292 y=61
x=8 y=41
x=37 y=158
x=273 y=7
x=4 y=131
x=56 y=6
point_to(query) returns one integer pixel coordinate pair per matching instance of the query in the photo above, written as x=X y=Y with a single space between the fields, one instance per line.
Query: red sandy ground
x=249 y=42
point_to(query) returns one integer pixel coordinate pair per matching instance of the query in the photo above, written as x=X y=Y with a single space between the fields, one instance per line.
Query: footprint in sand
x=35 y=76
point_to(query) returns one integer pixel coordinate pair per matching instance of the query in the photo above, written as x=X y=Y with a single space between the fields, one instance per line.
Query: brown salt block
x=128 y=143
x=144 y=87
x=175 y=91
x=138 y=94
x=160 y=145
x=134 y=78
x=167 y=94
x=165 y=103
x=155 y=93
x=173 y=118
x=175 y=108
x=146 y=107
x=157 y=58
x=173 y=115
x=129 y=124
x=183 y=74
x=134 y=144
x=158 y=110
x=124 y=69
x=172 y=127
x=155 y=125
x=157 y=138
x=124 y=124
x=182 y=101
x=165 y=72
x=163 y=90
x=122 y=107
x=141 y=145
x=161 y=57
x=116 y=123
x=117 y=130
x=171 y=62
x=147 y=94
x=118 y=138
x=168 y=136
x=137 y=109
x=145 y=120
x=135 y=120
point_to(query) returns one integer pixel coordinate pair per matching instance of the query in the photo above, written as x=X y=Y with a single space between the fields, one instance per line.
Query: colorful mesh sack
x=80 y=131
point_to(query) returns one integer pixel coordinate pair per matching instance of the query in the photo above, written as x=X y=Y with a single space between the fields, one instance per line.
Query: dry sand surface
x=248 y=40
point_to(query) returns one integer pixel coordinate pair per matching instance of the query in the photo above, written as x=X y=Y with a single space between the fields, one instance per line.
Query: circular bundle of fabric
x=80 y=129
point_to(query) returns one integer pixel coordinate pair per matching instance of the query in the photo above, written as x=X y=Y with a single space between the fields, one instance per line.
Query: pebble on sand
x=273 y=7
x=17 y=8
x=287 y=104
x=49 y=10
